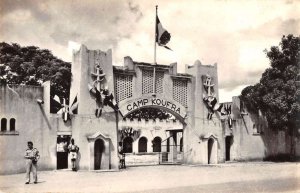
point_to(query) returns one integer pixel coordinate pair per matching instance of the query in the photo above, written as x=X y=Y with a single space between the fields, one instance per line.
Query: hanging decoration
x=226 y=111
x=129 y=132
x=74 y=106
x=99 y=90
x=209 y=97
x=64 y=109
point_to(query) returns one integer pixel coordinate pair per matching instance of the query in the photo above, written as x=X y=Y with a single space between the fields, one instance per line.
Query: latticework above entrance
x=147 y=83
x=180 y=91
x=123 y=87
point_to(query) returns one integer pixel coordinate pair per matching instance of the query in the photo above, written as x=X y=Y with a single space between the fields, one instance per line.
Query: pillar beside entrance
x=149 y=146
x=135 y=146
x=92 y=153
x=173 y=149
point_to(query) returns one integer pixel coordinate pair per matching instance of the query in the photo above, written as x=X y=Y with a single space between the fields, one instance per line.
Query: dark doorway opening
x=143 y=144
x=62 y=151
x=98 y=151
x=181 y=144
x=157 y=144
x=168 y=144
x=127 y=145
x=228 y=143
x=210 y=144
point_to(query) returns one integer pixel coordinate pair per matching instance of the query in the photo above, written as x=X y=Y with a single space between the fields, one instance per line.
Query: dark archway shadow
x=99 y=149
x=210 y=144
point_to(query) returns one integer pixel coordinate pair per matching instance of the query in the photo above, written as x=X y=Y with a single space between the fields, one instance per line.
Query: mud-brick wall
x=254 y=140
x=31 y=124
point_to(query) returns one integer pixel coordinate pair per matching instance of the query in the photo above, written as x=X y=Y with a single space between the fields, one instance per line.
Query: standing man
x=121 y=156
x=31 y=156
x=73 y=150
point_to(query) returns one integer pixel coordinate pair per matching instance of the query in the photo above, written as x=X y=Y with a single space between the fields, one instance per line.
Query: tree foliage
x=31 y=65
x=150 y=114
x=276 y=95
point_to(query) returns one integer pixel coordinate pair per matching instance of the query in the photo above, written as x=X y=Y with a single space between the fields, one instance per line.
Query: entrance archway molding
x=214 y=149
x=210 y=135
x=130 y=105
x=106 y=158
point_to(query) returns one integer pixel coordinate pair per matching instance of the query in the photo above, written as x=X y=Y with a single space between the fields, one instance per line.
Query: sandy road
x=232 y=177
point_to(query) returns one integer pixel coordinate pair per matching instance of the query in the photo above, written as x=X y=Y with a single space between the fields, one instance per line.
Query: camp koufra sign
x=172 y=106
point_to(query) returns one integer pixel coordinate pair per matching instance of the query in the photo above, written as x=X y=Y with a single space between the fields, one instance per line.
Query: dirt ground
x=228 y=177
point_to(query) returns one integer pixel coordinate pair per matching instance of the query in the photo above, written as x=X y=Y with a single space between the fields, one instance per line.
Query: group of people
x=32 y=156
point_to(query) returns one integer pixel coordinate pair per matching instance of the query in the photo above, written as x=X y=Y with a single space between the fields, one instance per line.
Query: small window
x=3 y=124
x=12 y=124
x=257 y=129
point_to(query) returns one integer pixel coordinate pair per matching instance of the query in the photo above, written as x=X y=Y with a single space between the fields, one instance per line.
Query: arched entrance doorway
x=142 y=144
x=98 y=151
x=210 y=144
x=211 y=149
x=157 y=144
x=155 y=133
x=228 y=143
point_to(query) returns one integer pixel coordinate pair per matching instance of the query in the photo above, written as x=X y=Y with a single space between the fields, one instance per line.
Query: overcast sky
x=231 y=33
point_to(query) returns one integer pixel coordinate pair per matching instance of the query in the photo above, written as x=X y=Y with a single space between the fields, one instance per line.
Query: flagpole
x=155 y=36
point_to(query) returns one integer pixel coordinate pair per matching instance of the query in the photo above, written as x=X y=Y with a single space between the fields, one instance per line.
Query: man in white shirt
x=31 y=156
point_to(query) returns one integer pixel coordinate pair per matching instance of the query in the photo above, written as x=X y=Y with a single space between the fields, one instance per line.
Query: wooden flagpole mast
x=155 y=36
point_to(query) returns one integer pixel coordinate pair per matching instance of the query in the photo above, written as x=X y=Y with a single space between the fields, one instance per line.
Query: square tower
x=204 y=74
x=92 y=75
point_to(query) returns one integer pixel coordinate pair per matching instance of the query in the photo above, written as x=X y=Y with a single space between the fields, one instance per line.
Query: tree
x=31 y=65
x=150 y=113
x=276 y=95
